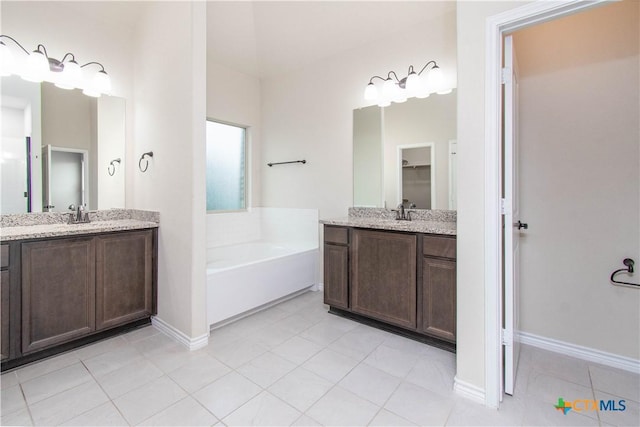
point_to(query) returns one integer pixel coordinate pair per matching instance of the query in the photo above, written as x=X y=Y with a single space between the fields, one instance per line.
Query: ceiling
x=265 y=38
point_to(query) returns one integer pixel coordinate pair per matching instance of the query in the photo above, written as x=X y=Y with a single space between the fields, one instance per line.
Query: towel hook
x=146 y=166
x=111 y=169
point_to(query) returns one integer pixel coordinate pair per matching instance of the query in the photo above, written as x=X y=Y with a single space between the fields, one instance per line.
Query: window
x=226 y=172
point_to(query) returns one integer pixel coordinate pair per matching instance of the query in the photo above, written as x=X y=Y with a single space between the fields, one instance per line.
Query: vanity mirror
x=405 y=153
x=59 y=149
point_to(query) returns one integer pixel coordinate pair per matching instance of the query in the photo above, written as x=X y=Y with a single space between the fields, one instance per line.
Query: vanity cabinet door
x=4 y=290
x=383 y=276
x=4 y=337
x=124 y=277
x=439 y=298
x=336 y=275
x=58 y=291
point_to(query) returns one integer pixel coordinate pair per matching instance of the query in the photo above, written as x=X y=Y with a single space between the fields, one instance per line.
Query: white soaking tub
x=245 y=277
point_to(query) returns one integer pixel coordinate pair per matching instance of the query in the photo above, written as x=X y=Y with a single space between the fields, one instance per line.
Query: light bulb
x=401 y=96
x=389 y=89
x=102 y=82
x=370 y=92
x=412 y=84
x=7 y=62
x=435 y=79
x=70 y=77
x=37 y=67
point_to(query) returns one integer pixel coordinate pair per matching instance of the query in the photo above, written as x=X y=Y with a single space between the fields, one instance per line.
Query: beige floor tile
x=386 y=418
x=266 y=369
x=129 y=377
x=263 y=410
x=18 y=418
x=55 y=382
x=227 y=394
x=111 y=360
x=340 y=407
x=199 y=372
x=186 y=412
x=393 y=361
x=301 y=388
x=370 y=383
x=67 y=405
x=148 y=400
x=9 y=379
x=297 y=350
x=614 y=413
x=615 y=381
x=12 y=400
x=418 y=405
x=330 y=365
x=104 y=415
x=43 y=367
x=237 y=354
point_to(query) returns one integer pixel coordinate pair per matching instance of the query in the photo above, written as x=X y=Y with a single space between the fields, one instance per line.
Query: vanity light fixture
x=394 y=89
x=66 y=73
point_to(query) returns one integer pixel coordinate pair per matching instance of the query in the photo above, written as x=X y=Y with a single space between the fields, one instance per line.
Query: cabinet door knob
x=521 y=225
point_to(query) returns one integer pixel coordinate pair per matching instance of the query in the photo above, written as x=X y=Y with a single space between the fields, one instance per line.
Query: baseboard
x=191 y=343
x=580 y=352
x=320 y=287
x=469 y=390
x=260 y=308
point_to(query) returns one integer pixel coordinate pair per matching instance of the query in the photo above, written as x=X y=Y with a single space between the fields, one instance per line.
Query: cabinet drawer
x=444 y=247
x=4 y=262
x=337 y=235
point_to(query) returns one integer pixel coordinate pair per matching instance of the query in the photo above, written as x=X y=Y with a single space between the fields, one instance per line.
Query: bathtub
x=246 y=277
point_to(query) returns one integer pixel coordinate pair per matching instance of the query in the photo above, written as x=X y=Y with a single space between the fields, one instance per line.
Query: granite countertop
x=43 y=225
x=415 y=226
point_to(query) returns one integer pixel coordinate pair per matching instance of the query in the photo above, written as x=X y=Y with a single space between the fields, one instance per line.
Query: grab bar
x=629 y=263
x=286 y=163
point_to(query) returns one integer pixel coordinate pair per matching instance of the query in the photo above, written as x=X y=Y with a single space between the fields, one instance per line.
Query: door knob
x=521 y=225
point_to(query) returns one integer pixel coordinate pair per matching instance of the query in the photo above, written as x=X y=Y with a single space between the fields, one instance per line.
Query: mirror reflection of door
x=416 y=176
x=64 y=178
x=14 y=162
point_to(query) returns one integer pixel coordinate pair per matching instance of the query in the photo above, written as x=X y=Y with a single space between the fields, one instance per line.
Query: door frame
x=497 y=26
x=432 y=151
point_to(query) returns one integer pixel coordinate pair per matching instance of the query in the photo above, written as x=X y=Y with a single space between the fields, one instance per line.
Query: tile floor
x=294 y=364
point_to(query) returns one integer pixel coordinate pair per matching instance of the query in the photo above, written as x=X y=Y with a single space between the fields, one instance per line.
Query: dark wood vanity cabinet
x=124 y=278
x=73 y=290
x=336 y=266
x=4 y=290
x=406 y=281
x=439 y=287
x=383 y=276
x=58 y=291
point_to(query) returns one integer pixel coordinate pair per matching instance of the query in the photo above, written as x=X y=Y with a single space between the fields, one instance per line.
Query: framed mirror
x=60 y=148
x=405 y=153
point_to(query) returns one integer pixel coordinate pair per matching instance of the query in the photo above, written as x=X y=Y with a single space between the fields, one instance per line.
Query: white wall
x=580 y=177
x=308 y=115
x=111 y=138
x=234 y=97
x=170 y=110
x=367 y=157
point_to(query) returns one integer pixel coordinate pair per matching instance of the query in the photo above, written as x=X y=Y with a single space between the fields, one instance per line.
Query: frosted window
x=225 y=167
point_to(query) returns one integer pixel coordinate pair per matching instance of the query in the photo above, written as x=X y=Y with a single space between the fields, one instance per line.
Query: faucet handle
x=72 y=207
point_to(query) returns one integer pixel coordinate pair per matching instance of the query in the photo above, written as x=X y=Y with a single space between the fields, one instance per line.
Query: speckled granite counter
x=43 y=225
x=416 y=226
x=423 y=221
